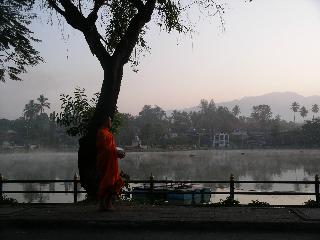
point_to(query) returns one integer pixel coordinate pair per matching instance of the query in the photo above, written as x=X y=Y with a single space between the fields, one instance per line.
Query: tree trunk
x=106 y=106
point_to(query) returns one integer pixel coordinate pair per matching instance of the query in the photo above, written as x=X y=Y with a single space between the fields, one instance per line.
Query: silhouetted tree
x=16 y=38
x=124 y=23
x=303 y=112
x=31 y=110
x=295 y=108
x=236 y=110
x=43 y=103
x=261 y=113
x=315 y=109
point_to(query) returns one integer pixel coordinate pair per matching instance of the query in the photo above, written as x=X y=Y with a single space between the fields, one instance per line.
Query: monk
x=107 y=166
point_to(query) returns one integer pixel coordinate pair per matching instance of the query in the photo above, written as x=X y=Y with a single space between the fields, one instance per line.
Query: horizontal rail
x=177 y=192
x=164 y=181
x=39 y=181
x=222 y=193
x=43 y=191
x=153 y=191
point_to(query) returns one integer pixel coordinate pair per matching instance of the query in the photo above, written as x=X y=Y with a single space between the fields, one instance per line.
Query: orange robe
x=107 y=165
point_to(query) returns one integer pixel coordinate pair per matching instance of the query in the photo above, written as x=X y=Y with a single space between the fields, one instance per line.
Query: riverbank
x=160 y=217
x=164 y=150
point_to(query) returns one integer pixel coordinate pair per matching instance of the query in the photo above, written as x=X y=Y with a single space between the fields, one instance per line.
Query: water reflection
x=186 y=165
x=30 y=197
x=35 y=197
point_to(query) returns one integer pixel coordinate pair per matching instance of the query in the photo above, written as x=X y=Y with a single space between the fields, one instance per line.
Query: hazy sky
x=268 y=45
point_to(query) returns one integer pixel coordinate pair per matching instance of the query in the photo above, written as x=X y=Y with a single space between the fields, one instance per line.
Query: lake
x=179 y=165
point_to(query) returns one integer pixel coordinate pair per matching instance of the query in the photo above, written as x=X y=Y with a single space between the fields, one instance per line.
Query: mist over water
x=184 y=165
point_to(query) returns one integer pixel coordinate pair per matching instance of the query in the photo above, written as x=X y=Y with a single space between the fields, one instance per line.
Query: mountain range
x=280 y=103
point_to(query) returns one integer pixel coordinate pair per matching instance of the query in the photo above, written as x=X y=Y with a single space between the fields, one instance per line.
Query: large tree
x=16 y=39
x=120 y=35
x=261 y=113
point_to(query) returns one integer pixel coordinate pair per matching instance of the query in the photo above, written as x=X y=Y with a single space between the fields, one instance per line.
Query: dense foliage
x=77 y=111
x=16 y=39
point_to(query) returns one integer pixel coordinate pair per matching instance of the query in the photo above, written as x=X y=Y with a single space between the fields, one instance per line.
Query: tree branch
x=93 y=39
x=130 y=38
x=93 y=16
x=74 y=17
x=53 y=4
x=138 y=4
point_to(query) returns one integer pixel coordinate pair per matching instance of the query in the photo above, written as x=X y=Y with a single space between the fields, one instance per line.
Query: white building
x=221 y=140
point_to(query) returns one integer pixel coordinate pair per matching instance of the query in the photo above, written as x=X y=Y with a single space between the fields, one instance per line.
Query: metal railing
x=152 y=191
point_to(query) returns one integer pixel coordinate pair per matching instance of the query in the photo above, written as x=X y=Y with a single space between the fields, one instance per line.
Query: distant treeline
x=35 y=129
x=197 y=129
x=153 y=128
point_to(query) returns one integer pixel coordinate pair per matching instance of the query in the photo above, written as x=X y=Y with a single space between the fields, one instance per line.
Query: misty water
x=184 y=165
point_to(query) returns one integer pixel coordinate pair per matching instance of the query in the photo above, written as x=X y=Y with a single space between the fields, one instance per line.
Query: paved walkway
x=148 y=216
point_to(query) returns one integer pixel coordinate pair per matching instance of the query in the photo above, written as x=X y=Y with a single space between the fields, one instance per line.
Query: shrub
x=257 y=203
x=4 y=199
x=311 y=203
x=228 y=202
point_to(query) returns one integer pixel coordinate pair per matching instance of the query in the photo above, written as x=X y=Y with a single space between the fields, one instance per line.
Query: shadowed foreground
x=157 y=222
x=141 y=234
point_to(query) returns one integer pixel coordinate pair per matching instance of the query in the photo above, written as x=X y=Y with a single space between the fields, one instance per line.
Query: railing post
x=202 y=196
x=1 y=187
x=316 y=186
x=193 y=200
x=231 y=187
x=75 y=188
x=151 y=188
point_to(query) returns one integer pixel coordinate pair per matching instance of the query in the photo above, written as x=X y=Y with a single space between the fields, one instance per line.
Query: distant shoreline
x=167 y=150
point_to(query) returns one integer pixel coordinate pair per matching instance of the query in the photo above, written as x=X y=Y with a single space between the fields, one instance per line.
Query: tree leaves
x=77 y=112
x=16 y=50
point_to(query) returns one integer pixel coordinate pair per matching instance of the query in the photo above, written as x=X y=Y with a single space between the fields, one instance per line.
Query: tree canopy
x=118 y=27
x=16 y=39
x=303 y=111
x=261 y=113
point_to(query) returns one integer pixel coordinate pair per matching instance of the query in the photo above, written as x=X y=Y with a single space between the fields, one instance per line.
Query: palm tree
x=294 y=107
x=31 y=110
x=43 y=103
x=236 y=110
x=303 y=111
x=314 y=109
